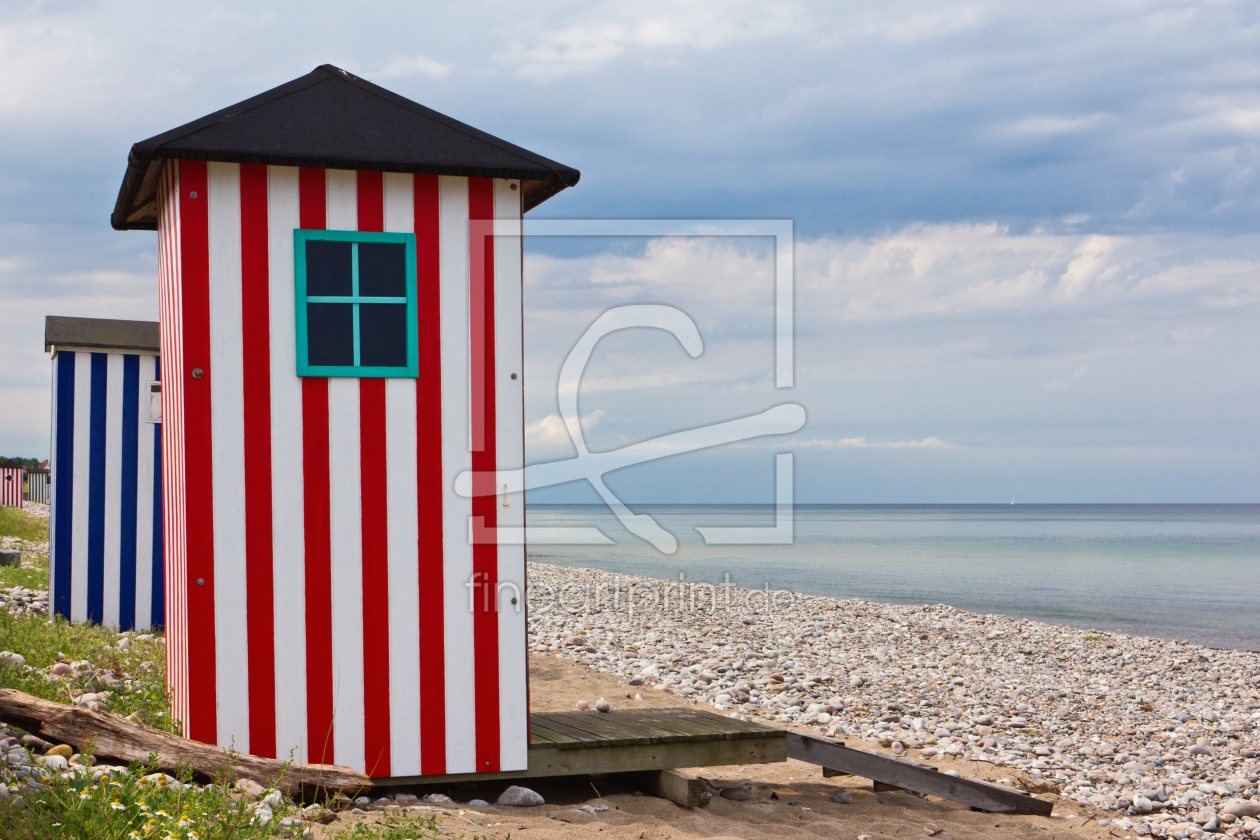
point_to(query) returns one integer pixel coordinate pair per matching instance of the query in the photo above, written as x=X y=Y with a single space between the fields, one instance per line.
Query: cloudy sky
x=1026 y=260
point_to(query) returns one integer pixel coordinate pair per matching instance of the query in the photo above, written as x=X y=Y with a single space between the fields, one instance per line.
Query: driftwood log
x=115 y=737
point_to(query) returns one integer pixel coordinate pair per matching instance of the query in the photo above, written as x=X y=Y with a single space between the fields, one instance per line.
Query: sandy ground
x=792 y=797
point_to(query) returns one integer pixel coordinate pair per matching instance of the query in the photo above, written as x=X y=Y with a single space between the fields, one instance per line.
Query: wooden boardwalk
x=580 y=743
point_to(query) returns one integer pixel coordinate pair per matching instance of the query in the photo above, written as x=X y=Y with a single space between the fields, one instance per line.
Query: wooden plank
x=708 y=726
x=709 y=720
x=981 y=796
x=679 y=788
x=605 y=727
x=553 y=738
x=545 y=761
x=582 y=737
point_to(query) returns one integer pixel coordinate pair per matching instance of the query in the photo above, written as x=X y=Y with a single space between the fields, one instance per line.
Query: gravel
x=1166 y=733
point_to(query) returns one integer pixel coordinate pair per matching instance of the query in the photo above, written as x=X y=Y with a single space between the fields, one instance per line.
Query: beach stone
x=842 y=798
x=60 y=669
x=520 y=797
x=63 y=750
x=54 y=762
x=1241 y=808
x=581 y=706
x=602 y=705
x=437 y=798
x=479 y=803
x=857 y=681
x=743 y=793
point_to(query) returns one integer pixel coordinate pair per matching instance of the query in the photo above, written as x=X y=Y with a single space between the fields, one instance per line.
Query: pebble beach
x=1162 y=738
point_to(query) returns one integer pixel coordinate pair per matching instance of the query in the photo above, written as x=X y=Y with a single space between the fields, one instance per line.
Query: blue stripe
x=129 y=501
x=64 y=491
x=159 y=577
x=96 y=491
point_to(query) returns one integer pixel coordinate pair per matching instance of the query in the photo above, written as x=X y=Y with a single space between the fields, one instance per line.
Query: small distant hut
x=11 y=479
x=37 y=486
x=340 y=300
x=105 y=532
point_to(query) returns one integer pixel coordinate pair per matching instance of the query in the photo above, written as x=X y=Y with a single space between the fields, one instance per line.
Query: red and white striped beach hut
x=340 y=302
x=11 y=486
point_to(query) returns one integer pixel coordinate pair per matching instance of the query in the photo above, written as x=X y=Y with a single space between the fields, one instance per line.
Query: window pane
x=382 y=269
x=383 y=334
x=328 y=269
x=330 y=333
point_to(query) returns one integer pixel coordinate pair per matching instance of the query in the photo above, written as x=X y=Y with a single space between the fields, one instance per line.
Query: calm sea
x=1171 y=571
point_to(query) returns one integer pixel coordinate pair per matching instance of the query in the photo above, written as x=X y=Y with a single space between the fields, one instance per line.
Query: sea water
x=1171 y=571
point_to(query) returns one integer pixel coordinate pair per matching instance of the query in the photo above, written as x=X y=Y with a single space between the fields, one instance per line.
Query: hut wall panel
x=287 y=498
x=148 y=567
x=510 y=454
x=103 y=531
x=111 y=554
x=227 y=416
x=81 y=474
x=369 y=544
x=11 y=487
x=170 y=316
x=457 y=566
x=399 y=499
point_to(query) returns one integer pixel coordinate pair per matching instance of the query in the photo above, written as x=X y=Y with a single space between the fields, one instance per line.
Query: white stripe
x=81 y=470
x=52 y=508
x=347 y=571
x=287 y=487
x=144 y=500
x=345 y=478
x=227 y=417
x=343 y=199
x=510 y=455
x=404 y=580
x=403 y=530
x=112 y=567
x=456 y=431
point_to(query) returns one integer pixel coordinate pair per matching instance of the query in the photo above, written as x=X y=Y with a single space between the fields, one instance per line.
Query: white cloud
x=417 y=65
x=649 y=31
x=550 y=432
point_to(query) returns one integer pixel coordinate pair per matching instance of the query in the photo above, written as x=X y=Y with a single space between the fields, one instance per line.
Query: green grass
x=25 y=577
x=122 y=806
x=16 y=523
x=41 y=642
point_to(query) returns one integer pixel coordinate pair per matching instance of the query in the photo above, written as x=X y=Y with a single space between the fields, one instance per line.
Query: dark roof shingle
x=102 y=333
x=332 y=119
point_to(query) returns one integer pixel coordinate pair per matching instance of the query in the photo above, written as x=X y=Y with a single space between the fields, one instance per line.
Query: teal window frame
x=301 y=299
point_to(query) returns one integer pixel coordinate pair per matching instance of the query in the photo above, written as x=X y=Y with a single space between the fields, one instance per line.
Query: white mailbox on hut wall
x=342 y=338
x=105 y=557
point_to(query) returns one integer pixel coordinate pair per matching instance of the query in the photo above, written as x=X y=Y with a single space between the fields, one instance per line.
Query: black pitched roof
x=103 y=333
x=332 y=119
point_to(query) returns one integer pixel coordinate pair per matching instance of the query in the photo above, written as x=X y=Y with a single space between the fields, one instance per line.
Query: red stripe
x=199 y=466
x=375 y=526
x=373 y=455
x=429 y=478
x=312 y=215
x=485 y=555
x=256 y=361
x=371 y=200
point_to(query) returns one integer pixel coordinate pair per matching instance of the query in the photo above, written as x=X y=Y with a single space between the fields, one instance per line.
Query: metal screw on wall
x=197 y=374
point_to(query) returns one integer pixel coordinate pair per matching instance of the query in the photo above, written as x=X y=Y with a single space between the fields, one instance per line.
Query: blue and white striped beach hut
x=105 y=556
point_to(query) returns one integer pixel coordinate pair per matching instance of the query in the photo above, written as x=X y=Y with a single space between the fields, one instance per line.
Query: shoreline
x=1037 y=617
x=1159 y=733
